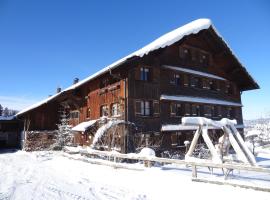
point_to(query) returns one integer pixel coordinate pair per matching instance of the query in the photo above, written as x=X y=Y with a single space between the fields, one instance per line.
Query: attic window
x=204 y=59
x=184 y=53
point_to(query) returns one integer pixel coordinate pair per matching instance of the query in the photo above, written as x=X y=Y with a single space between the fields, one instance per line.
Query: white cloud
x=16 y=103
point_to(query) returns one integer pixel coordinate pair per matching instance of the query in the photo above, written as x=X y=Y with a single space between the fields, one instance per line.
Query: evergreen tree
x=6 y=112
x=1 y=110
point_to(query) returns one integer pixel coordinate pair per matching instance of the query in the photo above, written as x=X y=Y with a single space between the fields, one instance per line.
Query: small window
x=175 y=79
x=213 y=85
x=176 y=109
x=208 y=111
x=195 y=109
x=74 y=114
x=184 y=53
x=176 y=138
x=229 y=88
x=145 y=74
x=195 y=82
x=206 y=84
x=143 y=108
x=219 y=111
x=204 y=59
x=88 y=113
x=104 y=111
x=115 y=109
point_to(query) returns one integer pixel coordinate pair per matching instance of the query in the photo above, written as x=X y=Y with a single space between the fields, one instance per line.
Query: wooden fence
x=114 y=157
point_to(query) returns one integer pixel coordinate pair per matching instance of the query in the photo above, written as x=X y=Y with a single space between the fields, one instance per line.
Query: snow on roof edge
x=165 y=40
x=198 y=100
x=161 y=42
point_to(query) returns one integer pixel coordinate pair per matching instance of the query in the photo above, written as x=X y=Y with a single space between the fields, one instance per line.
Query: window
x=156 y=107
x=219 y=111
x=204 y=59
x=195 y=110
x=184 y=53
x=186 y=80
x=213 y=85
x=176 y=138
x=74 y=114
x=115 y=111
x=187 y=109
x=104 y=111
x=145 y=74
x=88 y=113
x=175 y=79
x=176 y=109
x=208 y=111
x=206 y=84
x=229 y=88
x=230 y=112
x=195 y=82
x=143 y=108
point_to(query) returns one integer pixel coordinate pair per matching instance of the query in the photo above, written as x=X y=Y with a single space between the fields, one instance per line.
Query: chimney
x=75 y=80
x=58 y=89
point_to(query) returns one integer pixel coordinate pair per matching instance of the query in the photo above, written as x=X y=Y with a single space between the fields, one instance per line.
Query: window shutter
x=137 y=73
x=156 y=107
x=186 y=82
x=218 y=85
x=138 y=108
x=187 y=109
x=173 y=108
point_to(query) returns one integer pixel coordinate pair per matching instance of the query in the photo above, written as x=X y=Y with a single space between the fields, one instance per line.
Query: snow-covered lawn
x=49 y=175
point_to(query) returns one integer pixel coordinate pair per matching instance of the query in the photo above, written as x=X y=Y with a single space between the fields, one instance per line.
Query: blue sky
x=46 y=43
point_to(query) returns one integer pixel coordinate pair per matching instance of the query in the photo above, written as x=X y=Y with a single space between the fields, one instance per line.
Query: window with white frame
x=115 y=109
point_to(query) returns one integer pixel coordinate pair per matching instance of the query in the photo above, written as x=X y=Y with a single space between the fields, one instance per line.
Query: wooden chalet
x=190 y=71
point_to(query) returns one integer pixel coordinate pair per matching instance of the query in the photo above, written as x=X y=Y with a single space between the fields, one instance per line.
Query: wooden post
x=210 y=145
x=194 y=142
x=194 y=171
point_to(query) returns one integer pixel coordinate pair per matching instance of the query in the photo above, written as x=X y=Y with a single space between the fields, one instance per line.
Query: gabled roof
x=167 y=39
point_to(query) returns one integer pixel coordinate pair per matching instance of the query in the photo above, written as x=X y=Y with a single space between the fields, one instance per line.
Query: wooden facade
x=198 y=66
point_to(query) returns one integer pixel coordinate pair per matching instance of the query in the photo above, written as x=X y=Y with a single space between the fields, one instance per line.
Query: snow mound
x=147 y=152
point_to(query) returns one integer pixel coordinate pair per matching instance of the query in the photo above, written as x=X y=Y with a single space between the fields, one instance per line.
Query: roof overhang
x=199 y=100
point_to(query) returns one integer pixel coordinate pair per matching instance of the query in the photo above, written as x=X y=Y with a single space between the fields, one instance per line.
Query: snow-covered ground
x=50 y=175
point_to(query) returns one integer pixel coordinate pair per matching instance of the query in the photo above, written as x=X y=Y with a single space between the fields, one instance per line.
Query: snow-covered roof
x=165 y=40
x=84 y=126
x=190 y=71
x=199 y=100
